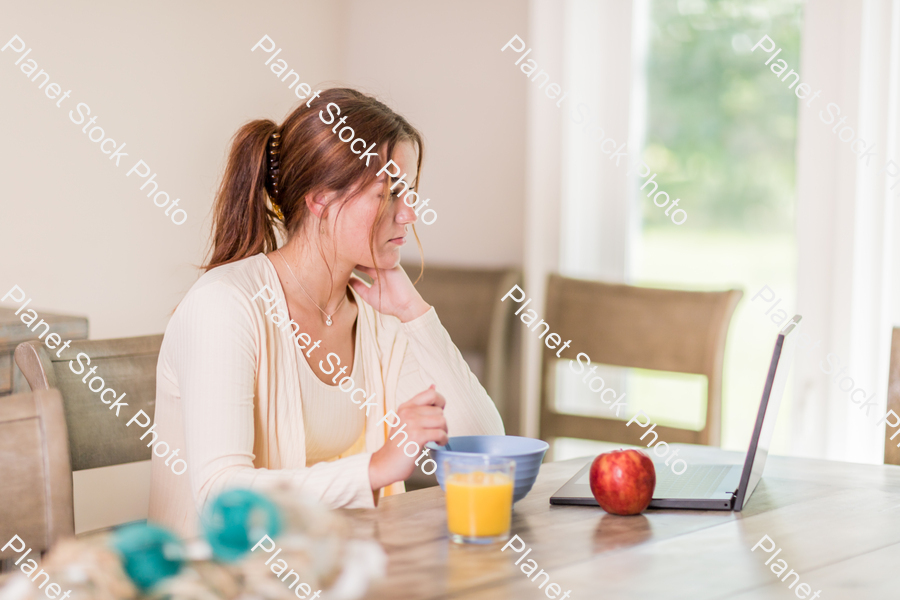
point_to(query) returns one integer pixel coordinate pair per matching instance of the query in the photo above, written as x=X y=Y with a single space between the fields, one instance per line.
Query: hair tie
x=272 y=154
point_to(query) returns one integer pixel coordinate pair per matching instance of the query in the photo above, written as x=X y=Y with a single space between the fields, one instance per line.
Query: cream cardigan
x=228 y=395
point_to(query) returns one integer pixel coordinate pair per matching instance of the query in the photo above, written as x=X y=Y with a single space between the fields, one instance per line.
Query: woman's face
x=357 y=216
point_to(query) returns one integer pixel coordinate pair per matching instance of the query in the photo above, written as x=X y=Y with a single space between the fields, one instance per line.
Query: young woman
x=250 y=366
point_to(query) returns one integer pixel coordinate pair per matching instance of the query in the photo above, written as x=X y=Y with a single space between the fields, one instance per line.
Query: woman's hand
x=392 y=293
x=423 y=415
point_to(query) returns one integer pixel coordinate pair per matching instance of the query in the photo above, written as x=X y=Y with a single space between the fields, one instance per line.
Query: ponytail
x=311 y=159
x=243 y=225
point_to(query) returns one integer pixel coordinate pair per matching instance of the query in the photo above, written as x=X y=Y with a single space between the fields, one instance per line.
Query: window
x=720 y=133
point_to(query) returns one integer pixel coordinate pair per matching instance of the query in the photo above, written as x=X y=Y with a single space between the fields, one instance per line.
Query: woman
x=248 y=373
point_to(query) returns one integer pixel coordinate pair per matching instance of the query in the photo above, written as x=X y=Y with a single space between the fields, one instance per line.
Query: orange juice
x=479 y=504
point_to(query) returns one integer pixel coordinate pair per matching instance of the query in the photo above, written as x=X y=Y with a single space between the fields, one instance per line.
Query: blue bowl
x=527 y=452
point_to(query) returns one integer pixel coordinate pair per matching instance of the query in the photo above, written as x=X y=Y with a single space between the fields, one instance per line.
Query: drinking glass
x=479 y=492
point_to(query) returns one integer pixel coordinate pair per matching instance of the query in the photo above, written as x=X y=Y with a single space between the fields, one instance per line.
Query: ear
x=316 y=202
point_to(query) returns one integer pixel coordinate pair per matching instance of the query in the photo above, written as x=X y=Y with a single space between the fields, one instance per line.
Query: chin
x=390 y=260
x=386 y=260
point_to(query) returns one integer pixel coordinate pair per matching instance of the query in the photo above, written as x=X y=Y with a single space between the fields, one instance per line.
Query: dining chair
x=637 y=327
x=891 y=451
x=97 y=438
x=467 y=301
x=36 y=488
x=109 y=460
x=14 y=331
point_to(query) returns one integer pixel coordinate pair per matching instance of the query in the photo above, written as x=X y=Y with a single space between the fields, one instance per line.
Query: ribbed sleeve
x=432 y=357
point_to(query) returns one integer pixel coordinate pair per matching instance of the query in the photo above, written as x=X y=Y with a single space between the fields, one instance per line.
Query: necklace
x=328 y=320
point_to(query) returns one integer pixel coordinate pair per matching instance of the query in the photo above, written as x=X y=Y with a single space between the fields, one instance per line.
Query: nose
x=405 y=214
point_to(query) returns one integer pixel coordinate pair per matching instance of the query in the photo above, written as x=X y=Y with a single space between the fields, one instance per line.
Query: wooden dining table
x=837 y=525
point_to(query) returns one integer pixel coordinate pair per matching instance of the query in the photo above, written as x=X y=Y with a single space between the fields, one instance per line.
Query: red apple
x=622 y=481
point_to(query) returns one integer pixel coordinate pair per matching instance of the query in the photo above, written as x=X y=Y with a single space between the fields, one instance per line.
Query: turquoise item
x=149 y=553
x=236 y=520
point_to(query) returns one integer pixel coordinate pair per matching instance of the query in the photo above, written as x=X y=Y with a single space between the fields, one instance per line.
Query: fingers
x=361 y=286
x=425 y=417
x=438 y=436
x=373 y=273
x=358 y=284
x=429 y=396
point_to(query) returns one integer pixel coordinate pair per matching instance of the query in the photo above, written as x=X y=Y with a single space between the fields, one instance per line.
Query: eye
x=396 y=193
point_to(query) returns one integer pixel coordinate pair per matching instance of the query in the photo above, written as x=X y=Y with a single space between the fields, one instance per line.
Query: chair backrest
x=36 y=488
x=468 y=304
x=629 y=326
x=97 y=438
x=14 y=331
x=891 y=449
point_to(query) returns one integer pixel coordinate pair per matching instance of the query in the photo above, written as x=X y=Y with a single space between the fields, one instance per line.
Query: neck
x=327 y=289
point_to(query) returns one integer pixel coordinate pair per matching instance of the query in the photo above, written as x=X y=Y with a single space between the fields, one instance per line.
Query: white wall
x=173 y=80
x=439 y=64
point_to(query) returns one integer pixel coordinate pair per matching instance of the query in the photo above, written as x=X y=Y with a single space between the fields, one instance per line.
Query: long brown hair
x=312 y=160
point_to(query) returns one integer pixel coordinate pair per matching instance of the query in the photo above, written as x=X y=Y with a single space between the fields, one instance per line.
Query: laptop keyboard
x=697 y=482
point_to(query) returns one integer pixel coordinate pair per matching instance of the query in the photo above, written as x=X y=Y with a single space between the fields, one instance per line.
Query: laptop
x=720 y=486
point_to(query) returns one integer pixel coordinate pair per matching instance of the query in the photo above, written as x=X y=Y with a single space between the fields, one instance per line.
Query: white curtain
x=579 y=215
x=845 y=228
x=542 y=191
x=605 y=76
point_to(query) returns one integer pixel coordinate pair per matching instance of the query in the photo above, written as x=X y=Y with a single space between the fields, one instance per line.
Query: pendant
x=328 y=320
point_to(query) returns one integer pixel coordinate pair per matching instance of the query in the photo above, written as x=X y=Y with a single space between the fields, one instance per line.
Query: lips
x=398 y=240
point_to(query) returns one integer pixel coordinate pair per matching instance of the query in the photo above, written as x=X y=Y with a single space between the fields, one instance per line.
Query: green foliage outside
x=721 y=127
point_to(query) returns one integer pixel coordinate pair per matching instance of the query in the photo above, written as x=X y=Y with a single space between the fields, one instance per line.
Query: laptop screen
x=782 y=357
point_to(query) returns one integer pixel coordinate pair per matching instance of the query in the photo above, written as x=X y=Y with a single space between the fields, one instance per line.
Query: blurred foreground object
x=314 y=542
